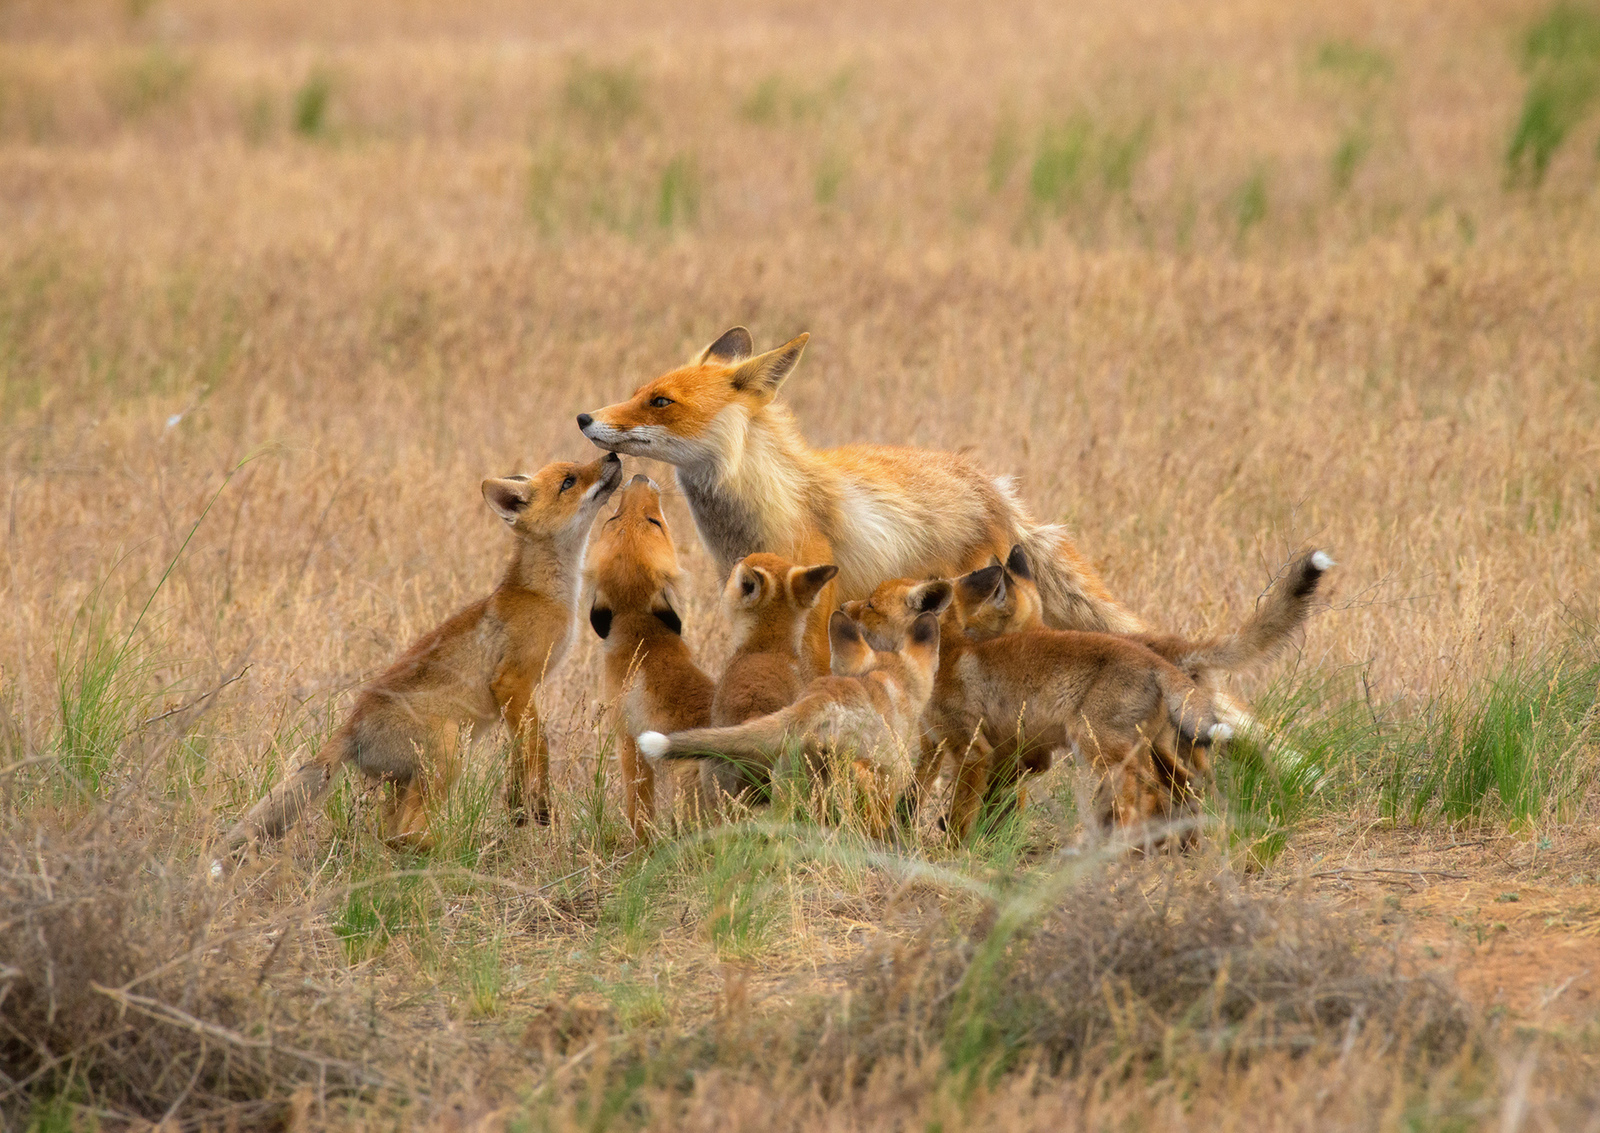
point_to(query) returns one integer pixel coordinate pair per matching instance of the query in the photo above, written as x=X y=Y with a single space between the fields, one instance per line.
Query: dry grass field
x=281 y=282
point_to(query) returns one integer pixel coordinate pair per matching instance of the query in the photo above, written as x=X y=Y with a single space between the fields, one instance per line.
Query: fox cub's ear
x=507 y=497
x=600 y=619
x=848 y=651
x=747 y=585
x=930 y=597
x=733 y=347
x=1017 y=563
x=981 y=584
x=806 y=583
x=763 y=374
x=925 y=630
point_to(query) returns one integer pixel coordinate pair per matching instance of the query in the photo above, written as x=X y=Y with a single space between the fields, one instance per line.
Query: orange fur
x=877 y=511
x=632 y=575
x=482 y=665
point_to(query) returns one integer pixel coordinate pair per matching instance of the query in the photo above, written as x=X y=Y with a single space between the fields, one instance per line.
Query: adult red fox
x=877 y=511
x=479 y=667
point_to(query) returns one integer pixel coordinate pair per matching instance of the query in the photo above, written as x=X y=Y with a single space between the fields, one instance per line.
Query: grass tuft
x=1561 y=55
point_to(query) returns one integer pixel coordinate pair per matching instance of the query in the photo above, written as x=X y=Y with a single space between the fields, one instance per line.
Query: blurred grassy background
x=1215 y=281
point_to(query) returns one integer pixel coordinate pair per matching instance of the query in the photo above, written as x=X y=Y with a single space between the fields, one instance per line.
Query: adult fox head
x=632 y=565
x=770 y=593
x=697 y=414
x=559 y=501
x=915 y=656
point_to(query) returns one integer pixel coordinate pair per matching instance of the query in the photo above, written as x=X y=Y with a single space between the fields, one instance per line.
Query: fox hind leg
x=528 y=777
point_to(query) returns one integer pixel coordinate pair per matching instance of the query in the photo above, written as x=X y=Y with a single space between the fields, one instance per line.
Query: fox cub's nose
x=585 y=420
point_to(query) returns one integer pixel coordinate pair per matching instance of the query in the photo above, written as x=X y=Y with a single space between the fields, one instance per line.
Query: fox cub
x=632 y=575
x=1138 y=708
x=480 y=666
x=767 y=602
x=869 y=715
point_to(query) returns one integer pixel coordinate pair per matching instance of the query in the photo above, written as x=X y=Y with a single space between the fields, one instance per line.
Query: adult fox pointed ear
x=508 y=498
x=764 y=373
x=734 y=346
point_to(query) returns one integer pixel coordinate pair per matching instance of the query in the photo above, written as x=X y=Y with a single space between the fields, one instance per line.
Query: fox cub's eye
x=568 y=482
x=661 y=402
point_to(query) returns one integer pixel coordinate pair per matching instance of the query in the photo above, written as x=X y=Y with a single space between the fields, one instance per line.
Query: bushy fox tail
x=1071 y=592
x=1280 y=613
x=753 y=746
x=287 y=803
x=1191 y=709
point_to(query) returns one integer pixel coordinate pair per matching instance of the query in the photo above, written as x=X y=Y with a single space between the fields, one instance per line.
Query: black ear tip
x=1017 y=562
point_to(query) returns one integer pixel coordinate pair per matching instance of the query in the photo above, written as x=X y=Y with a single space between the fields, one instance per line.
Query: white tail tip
x=653 y=744
x=1221 y=733
x=1321 y=561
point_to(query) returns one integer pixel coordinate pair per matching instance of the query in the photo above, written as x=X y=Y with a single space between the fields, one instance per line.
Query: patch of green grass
x=1561 y=55
x=481 y=973
x=775 y=99
x=1079 y=161
x=830 y=175
x=637 y=1004
x=152 y=79
x=1060 y=165
x=605 y=96
x=308 y=111
x=678 y=200
x=1351 y=61
x=1247 y=204
x=1517 y=744
x=1349 y=155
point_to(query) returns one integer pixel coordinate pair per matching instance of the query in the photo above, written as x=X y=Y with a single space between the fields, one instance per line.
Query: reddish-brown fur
x=482 y=665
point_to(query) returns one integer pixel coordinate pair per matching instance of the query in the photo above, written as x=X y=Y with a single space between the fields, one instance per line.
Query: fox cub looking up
x=480 y=666
x=633 y=576
x=869 y=717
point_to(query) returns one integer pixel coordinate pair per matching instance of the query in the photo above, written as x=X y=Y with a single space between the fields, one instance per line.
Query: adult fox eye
x=657 y=522
x=661 y=402
x=568 y=482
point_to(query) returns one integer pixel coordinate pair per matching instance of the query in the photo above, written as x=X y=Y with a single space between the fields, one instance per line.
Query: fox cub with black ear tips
x=767 y=601
x=870 y=715
x=481 y=666
x=633 y=577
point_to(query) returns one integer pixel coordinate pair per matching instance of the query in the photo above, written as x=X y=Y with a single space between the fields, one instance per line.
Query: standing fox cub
x=633 y=576
x=480 y=666
x=870 y=714
x=753 y=484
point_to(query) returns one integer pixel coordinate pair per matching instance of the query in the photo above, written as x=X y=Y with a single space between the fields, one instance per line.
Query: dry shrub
x=1146 y=969
x=115 y=991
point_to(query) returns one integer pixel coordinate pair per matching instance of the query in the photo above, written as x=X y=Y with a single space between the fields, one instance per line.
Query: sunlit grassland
x=280 y=285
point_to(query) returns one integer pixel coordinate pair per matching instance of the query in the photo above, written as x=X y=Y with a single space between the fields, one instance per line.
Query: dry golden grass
x=1215 y=281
